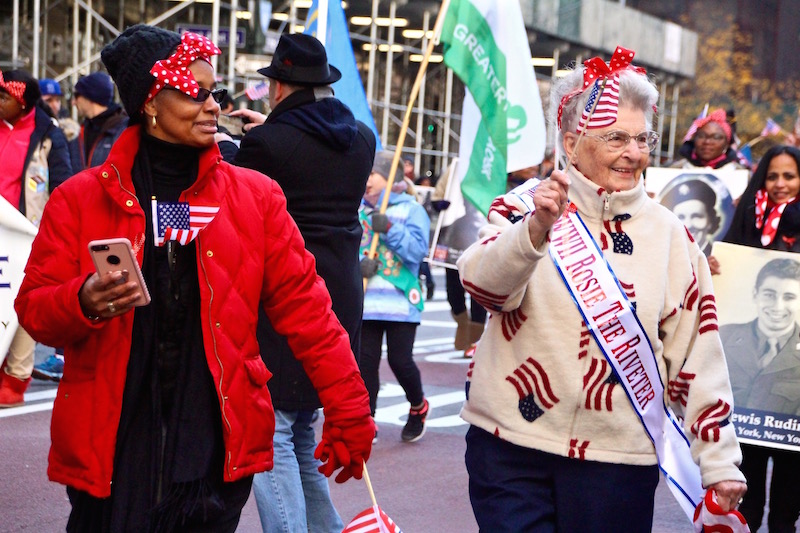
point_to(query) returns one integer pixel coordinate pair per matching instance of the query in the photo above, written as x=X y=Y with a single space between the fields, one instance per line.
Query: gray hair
x=635 y=91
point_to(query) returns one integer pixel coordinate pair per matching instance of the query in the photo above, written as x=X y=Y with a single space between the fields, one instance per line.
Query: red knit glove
x=345 y=444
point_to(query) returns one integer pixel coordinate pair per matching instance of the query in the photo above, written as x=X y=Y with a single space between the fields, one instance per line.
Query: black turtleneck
x=173 y=167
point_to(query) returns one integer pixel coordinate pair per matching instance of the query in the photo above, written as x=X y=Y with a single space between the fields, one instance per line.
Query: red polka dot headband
x=15 y=88
x=174 y=71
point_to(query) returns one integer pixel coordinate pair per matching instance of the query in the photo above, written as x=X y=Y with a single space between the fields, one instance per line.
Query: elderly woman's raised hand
x=550 y=200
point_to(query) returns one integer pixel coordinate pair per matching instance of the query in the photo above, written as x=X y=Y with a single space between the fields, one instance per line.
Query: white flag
x=16 y=238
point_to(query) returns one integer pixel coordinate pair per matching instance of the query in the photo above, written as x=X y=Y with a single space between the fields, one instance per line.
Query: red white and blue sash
x=615 y=327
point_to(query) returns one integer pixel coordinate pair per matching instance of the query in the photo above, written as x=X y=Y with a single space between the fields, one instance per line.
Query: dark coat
x=321 y=156
x=102 y=132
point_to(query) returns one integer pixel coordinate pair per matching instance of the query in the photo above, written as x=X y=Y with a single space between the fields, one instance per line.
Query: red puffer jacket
x=251 y=252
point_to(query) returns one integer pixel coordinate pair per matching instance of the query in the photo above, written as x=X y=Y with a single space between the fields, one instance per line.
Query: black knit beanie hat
x=129 y=58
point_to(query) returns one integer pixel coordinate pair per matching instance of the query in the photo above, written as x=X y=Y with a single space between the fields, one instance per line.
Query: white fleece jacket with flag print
x=539 y=379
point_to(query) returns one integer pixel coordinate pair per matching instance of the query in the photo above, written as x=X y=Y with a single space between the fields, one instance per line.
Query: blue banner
x=349 y=89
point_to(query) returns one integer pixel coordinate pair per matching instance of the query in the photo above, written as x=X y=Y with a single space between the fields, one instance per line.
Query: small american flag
x=257 y=92
x=772 y=128
x=179 y=221
x=605 y=112
x=372 y=520
x=694 y=127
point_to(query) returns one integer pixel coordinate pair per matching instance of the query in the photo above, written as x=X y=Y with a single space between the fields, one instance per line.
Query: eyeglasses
x=202 y=94
x=711 y=137
x=618 y=140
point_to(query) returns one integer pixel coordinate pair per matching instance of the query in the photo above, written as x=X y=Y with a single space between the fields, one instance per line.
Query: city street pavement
x=422 y=486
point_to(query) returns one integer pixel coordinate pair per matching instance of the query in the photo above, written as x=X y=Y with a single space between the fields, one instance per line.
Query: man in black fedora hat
x=321 y=156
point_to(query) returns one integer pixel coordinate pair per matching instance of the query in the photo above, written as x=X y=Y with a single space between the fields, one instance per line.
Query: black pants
x=400 y=348
x=784 y=502
x=96 y=515
x=514 y=489
x=457 y=298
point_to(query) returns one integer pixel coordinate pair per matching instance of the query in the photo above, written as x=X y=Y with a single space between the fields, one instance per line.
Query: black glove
x=380 y=223
x=440 y=205
x=369 y=267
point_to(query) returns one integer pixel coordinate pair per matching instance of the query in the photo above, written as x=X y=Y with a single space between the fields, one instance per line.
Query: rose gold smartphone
x=110 y=255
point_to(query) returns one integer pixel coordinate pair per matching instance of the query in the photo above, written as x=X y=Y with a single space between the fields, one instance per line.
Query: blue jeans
x=294 y=497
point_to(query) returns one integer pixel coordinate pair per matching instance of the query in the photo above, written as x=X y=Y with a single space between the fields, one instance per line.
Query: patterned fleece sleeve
x=698 y=387
x=496 y=269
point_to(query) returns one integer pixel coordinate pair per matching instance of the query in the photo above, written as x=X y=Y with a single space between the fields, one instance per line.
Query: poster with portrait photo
x=700 y=199
x=758 y=307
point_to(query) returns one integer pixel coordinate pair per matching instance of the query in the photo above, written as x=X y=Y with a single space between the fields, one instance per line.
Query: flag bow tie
x=597 y=69
x=174 y=71
x=15 y=88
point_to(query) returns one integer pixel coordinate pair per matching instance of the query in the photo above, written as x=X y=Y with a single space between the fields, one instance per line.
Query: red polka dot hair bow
x=595 y=71
x=174 y=71
x=15 y=88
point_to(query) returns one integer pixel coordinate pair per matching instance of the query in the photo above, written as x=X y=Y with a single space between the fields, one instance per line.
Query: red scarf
x=763 y=206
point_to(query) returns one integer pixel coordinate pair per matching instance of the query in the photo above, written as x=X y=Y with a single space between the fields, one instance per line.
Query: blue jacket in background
x=407 y=239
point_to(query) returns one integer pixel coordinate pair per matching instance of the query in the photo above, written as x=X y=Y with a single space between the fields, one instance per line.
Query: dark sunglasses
x=202 y=94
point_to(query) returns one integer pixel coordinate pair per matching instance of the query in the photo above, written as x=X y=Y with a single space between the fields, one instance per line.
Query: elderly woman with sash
x=603 y=337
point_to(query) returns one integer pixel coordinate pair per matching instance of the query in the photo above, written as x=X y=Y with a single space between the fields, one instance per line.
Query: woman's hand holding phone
x=117 y=286
x=109 y=295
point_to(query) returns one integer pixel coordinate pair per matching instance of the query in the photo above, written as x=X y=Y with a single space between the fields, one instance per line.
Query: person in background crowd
x=736 y=142
x=103 y=119
x=103 y=123
x=768 y=212
x=51 y=95
x=393 y=298
x=321 y=156
x=768 y=216
x=163 y=415
x=469 y=324
x=410 y=179
x=35 y=161
x=51 y=103
x=555 y=443
x=407 y=160
x=228 y=105
x=710 y=144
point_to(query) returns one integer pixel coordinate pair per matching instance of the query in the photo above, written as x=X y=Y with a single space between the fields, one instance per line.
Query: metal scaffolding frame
x=439 y=93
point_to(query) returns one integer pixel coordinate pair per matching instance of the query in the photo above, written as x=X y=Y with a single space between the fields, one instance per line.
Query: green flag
x=502 y=124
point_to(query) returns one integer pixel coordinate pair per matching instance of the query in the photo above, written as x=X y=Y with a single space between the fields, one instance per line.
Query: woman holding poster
x=768 y=216
x=602 y=310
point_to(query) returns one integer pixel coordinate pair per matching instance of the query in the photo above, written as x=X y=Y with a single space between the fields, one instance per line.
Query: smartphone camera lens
x=113 y=259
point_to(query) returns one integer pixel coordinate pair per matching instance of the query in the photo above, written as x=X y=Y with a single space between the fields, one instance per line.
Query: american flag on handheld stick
x=372 y=520
x=605 y=112
x=257 y=92
x=179 y=221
